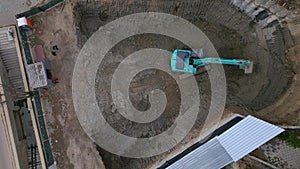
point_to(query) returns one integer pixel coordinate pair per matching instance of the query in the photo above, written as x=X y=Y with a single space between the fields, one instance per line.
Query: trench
x=233 y=34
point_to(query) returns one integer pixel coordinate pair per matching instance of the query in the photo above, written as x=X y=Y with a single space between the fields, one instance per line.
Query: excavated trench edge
x=277 y=39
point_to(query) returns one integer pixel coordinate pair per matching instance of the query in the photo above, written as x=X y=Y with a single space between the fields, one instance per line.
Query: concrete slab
x=27 y=125
x=13 y=5
x=268 y=4
x=276 y=8
x=261 y=2
x=8 y=9
x=7 y=18
x=4 y=151
x=283 y=13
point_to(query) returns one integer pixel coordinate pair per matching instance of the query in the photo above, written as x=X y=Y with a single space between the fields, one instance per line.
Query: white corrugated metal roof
x=232 y=145
x=247 y=135
x=210 y=155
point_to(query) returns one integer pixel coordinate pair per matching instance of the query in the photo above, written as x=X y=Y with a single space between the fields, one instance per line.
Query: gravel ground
x=281 y=154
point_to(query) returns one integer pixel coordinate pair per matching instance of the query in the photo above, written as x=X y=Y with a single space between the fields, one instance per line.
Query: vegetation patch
x=291 y=138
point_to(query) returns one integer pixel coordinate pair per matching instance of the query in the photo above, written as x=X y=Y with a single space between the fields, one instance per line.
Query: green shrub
x=290 y=139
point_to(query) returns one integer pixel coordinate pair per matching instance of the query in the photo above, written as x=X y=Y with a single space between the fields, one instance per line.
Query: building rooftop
x=232 y=145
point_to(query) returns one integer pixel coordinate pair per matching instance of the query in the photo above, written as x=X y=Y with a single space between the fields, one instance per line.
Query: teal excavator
x=189 y=61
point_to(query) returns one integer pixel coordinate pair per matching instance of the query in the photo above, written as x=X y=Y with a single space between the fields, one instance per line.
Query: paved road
x=4 y=155
x=8 y=9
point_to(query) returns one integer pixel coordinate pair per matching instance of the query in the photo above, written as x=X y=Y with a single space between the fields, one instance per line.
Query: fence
x=39 y=111
x=37 y=10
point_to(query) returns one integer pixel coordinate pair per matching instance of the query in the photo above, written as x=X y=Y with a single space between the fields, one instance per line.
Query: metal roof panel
x=247 y=135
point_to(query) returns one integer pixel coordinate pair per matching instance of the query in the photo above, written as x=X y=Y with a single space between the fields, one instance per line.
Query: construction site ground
x=72 y=148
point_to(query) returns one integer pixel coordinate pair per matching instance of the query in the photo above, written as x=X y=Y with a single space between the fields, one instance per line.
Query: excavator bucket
x=249 y=68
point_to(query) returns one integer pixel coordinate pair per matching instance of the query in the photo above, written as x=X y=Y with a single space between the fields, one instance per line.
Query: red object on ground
x=29 y=23
x=40 y=54
x=55 y=80
x=40 y=32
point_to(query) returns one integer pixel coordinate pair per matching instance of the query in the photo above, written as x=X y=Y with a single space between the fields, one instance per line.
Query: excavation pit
x=231 y=31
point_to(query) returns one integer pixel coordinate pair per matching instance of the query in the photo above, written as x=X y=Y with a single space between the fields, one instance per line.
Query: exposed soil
x=72 y=148
x=246 y=91
x=233 y=37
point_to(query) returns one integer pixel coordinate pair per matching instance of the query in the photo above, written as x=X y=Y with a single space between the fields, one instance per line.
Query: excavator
x=189 y=61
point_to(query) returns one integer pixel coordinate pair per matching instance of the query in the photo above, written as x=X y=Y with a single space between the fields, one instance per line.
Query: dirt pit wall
x=232 y=32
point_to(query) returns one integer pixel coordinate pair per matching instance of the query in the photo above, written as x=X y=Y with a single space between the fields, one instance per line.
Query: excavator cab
x=183 y=60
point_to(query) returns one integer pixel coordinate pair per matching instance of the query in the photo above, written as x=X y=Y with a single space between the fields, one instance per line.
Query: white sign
x=37 y=75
